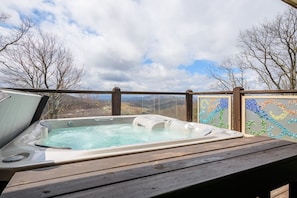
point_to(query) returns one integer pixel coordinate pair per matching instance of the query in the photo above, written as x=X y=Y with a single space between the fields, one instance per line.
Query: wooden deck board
x=90 y=166
x=180 y=170
x=281 y=192
x=177 y=180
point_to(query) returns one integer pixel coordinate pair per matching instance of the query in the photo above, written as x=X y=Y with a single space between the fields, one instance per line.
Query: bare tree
x=230 y=74
x=15 y=33
x=270 y=50
x=40 y=61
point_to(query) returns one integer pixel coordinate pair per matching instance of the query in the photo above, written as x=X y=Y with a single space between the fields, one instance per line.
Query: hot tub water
x=107 y=136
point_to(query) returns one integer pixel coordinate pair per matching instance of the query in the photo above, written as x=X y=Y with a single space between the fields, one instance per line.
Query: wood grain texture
x=213 y=169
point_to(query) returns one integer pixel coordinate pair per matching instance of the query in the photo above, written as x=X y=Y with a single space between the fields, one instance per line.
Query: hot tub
x=58 y=141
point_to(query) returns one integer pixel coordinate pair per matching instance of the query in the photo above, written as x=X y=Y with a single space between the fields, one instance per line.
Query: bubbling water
x=107 y=136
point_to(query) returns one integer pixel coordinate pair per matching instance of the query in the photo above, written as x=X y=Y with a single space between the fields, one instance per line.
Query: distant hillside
x=161 y=102
x=82 y=105
x=86 y=105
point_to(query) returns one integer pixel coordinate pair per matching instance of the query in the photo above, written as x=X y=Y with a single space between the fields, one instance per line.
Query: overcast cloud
x=141 y=44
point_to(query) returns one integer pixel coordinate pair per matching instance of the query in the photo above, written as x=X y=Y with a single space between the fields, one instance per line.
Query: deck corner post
x=189 y=105
x=292 y=189
x=237 y=111
x=116 y=101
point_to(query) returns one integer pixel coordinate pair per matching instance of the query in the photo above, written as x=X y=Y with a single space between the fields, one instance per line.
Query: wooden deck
x=243 y=167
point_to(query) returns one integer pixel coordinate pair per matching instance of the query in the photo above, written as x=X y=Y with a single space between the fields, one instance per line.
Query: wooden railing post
x=189 y=104
x=237 y=108
x=292 y=189
x=116 y=101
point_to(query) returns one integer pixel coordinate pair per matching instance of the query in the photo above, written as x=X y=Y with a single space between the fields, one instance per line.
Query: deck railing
x=250 y=111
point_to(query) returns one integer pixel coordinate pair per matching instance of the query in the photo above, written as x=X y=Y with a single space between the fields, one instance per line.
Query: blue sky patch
x=41 y=16
x=200 y=66
x=85 y=29
x=147 y=61
x=51 y=2
x=90 y=31
x=7 y=25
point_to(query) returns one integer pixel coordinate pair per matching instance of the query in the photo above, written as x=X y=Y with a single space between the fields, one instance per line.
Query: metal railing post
x=189 y=105
x=237 y=101
x=116 y=101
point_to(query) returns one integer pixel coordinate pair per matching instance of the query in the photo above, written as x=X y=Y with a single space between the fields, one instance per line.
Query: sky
x=146 y=45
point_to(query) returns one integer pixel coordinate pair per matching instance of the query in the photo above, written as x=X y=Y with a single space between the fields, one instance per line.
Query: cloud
x=114 y=40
